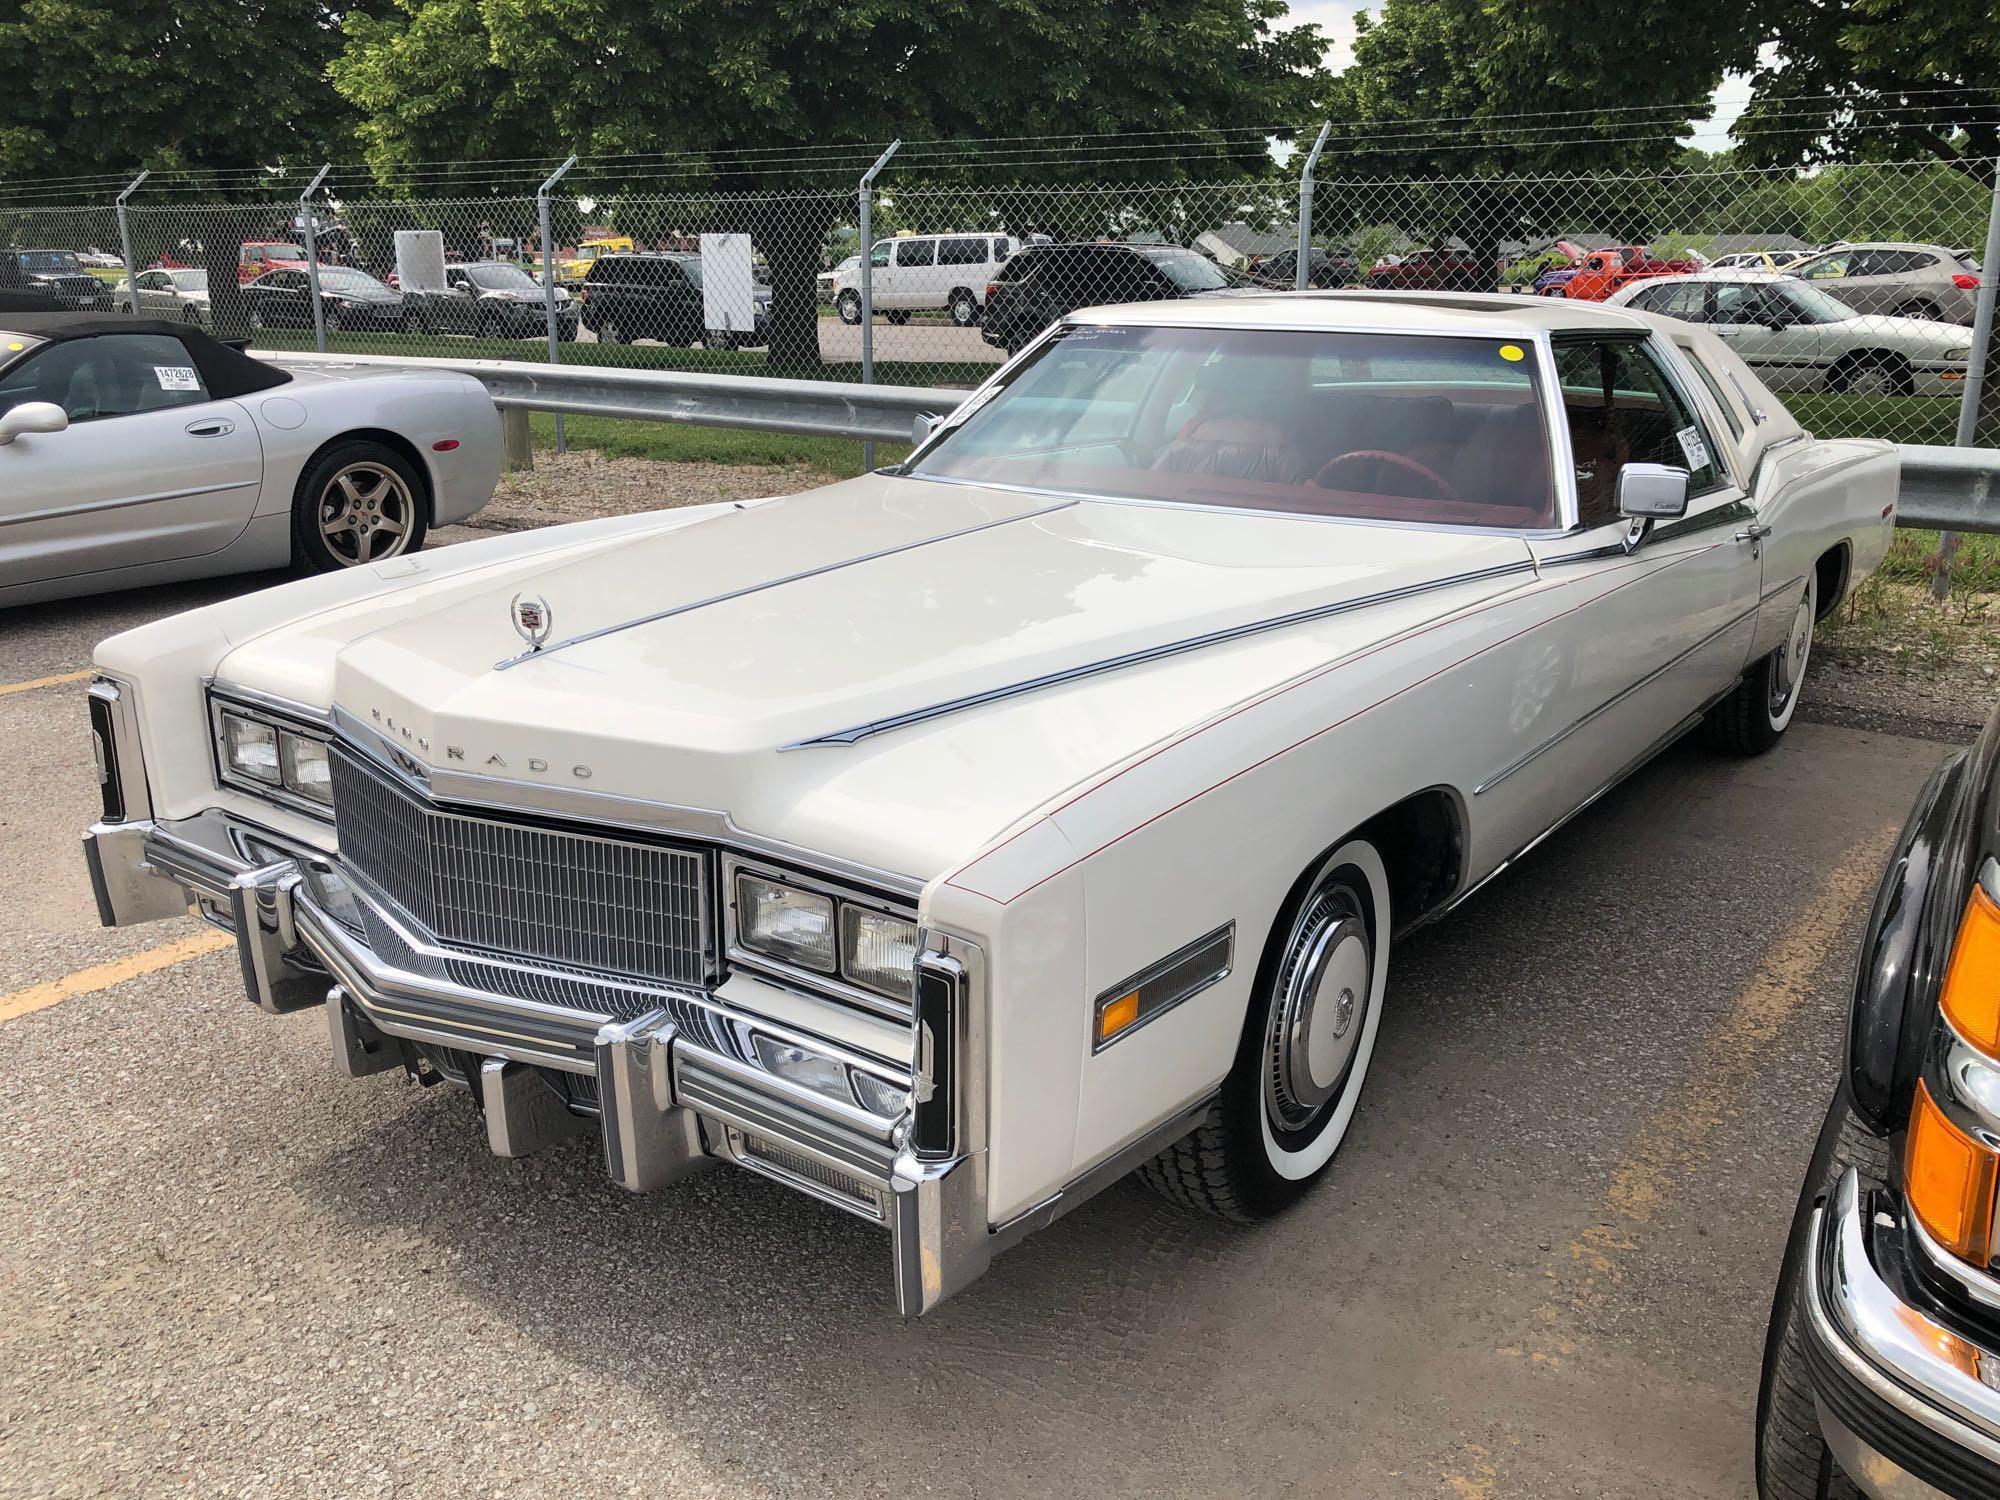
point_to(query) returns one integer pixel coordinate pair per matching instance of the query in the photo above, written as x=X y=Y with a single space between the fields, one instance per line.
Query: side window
x=1622 y=409
x=999 y=248
x=112 y=375
x=1700 y=367
x=916 y=252
x=961 y=252
x=1741 y=302
x=1826 y=268
x=879 y=256
x=1686 y=300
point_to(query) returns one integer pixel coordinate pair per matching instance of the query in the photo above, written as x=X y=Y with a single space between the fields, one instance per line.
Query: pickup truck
x=1606 y=271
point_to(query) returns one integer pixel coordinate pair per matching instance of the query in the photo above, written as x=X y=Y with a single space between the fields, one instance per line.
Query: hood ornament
x=533 y=620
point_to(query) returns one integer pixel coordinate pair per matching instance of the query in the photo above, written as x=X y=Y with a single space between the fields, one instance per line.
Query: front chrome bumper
x=1909 y=1401
x=672 y=1089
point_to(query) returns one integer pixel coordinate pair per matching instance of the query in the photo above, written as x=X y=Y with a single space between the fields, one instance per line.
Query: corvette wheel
x=1304 y=1054
x=1752 y=718
x=360 y=503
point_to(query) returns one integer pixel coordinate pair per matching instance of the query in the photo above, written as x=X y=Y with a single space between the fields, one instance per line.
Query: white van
x=921 y=272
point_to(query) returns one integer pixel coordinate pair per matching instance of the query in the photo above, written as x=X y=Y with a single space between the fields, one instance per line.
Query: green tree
x=1534 y=89
x=763 y=92
x=1873 y=80
x=95 y=86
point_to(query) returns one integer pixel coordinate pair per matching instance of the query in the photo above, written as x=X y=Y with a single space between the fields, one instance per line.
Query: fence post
x=125 y=245
x=549 y=281
x=1975 y=373
x=1303 y=279
x=309 y=223
x=865 y=197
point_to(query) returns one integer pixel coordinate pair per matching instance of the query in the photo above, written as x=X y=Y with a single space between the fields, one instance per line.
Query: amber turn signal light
x=1115 y=1015
x=1949 y=1178
x=1971 y=998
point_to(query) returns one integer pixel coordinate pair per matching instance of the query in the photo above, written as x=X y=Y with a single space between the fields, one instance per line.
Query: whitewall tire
x=1754 y=717
x=1306 y=1046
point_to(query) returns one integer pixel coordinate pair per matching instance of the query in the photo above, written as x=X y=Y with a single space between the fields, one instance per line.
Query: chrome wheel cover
x=1788 y=663
x=366 y=513
x=1317 y=1017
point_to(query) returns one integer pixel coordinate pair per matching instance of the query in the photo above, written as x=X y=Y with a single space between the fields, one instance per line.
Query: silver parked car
x=180 y=295
x=1800 y=338
x=1905 y=281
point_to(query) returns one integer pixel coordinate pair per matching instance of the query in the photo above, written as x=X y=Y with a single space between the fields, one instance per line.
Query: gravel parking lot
x=1541 y=1265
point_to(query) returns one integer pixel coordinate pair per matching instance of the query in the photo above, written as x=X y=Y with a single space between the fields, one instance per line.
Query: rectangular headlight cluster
x=273 y=757
x=820 y=933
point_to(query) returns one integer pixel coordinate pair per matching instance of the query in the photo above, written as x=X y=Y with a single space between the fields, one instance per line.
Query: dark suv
x=1042 y=283
x=627 y=297
x=63 y=277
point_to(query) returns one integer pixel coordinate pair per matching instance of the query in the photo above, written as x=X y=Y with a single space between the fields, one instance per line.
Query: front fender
x=1910 y=929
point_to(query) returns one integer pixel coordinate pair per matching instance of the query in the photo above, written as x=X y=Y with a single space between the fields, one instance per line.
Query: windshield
x=347 y=279
x=1391 y=427
x=189 y=281
x=1186 y=270
x=1808 y=304
x=50 y=260
x=502 y=279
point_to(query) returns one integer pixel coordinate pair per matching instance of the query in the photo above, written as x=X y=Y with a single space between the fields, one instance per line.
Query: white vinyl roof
x=1476 y=313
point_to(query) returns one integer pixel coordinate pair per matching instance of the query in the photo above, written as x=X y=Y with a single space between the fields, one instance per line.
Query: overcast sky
x=1335 y=19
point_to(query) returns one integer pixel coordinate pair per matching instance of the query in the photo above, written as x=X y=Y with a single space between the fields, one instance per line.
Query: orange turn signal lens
x=1949 y=1179
x=1971 y=997
x=1115 y=1015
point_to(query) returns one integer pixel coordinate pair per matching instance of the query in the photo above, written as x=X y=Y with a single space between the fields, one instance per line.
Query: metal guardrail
x=1943 y=489
x=802 y=408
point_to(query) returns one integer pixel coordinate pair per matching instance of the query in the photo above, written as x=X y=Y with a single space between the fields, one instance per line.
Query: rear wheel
x=1919 y=308
x=608 y=332
x=1753 y=717
x=964 y=308
x=1303 y=1057
x=360 y=502
x=715 y=338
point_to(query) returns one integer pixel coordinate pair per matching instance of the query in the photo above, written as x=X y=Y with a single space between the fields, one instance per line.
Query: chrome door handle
x=1753 y=533
x=211 y=427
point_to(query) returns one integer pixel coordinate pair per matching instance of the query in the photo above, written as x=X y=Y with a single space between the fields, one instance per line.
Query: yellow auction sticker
x=1512 y=353
x=15 y=348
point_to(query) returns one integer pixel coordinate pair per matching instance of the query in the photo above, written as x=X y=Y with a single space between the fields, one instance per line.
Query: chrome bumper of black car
x=670 y=1089
x=1908 y=1402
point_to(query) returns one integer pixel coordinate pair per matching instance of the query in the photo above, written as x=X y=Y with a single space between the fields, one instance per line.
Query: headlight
x=793 y=926
x=250 y=748
x=878 y=952
x=827 y=933
x=274 y=757
x=306 y=768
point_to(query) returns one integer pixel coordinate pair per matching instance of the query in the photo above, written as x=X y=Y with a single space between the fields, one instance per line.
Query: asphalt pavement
x=1540 y=1266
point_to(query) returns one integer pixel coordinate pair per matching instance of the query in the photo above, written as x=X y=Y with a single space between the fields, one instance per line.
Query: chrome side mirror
x=1652 y=492
x=922 y=426
x=32 y=416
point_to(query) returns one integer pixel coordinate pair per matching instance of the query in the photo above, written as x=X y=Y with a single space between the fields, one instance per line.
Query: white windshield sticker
x=1692 y=445
x=176 y=377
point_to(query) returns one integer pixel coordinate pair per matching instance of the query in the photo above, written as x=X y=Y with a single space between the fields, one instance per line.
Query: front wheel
x=1793 y=1462
x=1753 y=717
x=360 y=502
x=1303 y=1057
x=849 y=304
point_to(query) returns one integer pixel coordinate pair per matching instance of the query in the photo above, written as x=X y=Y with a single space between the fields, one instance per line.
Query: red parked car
x=1605 y=271
x=1433 y=271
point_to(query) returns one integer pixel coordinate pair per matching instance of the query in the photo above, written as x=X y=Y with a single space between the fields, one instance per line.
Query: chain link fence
x=1852 y=289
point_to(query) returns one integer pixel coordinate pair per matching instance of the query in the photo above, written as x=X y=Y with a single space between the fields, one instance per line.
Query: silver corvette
x=135 y=451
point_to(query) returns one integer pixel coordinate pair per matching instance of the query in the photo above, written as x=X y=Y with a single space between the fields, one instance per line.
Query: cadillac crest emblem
x=533 y=620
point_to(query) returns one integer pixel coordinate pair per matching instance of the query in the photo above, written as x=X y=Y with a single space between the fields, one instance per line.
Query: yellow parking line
x=104 y=976
x=41 y=682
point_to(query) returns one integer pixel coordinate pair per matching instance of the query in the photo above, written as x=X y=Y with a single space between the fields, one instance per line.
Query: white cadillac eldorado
x=947 y=843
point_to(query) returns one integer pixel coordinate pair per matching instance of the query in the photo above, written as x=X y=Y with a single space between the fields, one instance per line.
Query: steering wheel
x=1441 y=485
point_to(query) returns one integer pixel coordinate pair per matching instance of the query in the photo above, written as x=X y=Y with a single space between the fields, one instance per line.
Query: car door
x=915 y=269
x=151 y=467
x=151 y=294
x=1657 y=618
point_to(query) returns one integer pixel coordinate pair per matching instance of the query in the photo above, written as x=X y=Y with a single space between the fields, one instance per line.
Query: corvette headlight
x=273 y=757
x=827 y=934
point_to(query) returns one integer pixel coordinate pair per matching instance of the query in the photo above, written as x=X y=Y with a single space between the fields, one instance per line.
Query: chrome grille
x=588 y=902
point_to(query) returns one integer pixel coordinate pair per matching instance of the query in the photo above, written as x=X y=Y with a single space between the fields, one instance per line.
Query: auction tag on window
x=1692 y=445
x=182 y=378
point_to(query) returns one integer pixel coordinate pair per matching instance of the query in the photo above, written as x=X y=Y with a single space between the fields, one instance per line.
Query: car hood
x=697 y=664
